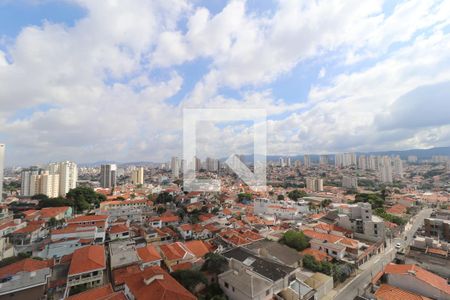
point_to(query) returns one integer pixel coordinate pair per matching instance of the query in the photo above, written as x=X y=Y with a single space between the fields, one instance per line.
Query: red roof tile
x=419 y=273
x=148 y=253
x=87 y=259
x=198 y=248
x=162 y=286
x=388 y=292
x=25 y=265
x=104 y=292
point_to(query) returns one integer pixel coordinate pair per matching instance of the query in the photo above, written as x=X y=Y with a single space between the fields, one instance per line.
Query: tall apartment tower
x=35 y=181
x=314 y=184
x=175 y=166
x=137 y=175
x=362 y=162
x=398 y=166
x=2 y=166
x=306 y=161
x=68 y=175
x=282 y=164
x=385 y=169
x=108 y=175
x=323 y=160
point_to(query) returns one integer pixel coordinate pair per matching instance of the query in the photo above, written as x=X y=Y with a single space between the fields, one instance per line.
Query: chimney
x=153 y=278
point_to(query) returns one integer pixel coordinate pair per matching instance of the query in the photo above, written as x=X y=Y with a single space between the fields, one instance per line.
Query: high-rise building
x=2 y=166
x=68 y=175
x=362 y=162
x=323 y=160
x=349 y=182
x=398 y=166
x=108 y=176
x=412 y=158
x=137 y=175
x=314 y=184
x=282 y=162
x=175 y=167
x=35 y=181
x=288 y=161
x=298 y=163
x=307 y=161
x=345 y=160
x=212 y=165
x=385 y=169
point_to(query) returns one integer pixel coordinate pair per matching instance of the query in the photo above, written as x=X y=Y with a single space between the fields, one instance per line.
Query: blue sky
x=108 y=80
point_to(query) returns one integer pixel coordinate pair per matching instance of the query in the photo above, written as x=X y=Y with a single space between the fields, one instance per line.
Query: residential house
x=156 y=283
x=87 y=267
x=149 y=256
x=276 y=251
x=253 y=277
x=104 y=292
x=26 y=279
x=118 y=231
x=28 y=235
x=417 y=280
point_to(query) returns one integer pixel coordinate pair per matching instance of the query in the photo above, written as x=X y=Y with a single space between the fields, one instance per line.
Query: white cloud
x=101 y=89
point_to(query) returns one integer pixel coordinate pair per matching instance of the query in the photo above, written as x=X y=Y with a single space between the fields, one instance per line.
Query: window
x=267 y=292
x=232 y=288
x=226 y=285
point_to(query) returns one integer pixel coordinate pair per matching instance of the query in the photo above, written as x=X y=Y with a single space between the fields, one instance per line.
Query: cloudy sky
x=91 y=80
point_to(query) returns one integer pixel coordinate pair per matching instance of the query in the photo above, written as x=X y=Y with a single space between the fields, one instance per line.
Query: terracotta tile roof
x=87 y=259
x=148 y=253
x=318 y=255
x=419 y=273
x=25 y=265
x=51 y=212
x=186 y=227
x=397 y=209
x=181 y=266
x=29 y=228
x=198 y=248
x=388 y=292
x=120 y=274
x=170 y=219
x=118 y=228
x=90 y=218
x=104 y=292
x=162 y=286
x=331 y=238
x=174 y=251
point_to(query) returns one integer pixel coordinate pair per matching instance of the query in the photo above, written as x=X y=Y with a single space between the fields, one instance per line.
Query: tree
x=280 y=197
x=40 y=197
x=55 y=202
x=84 y=198
x=325 y=202
x=215 y=263
x=164 y=198
x=244 y=197
x=296 y=194
x=189 y=278
x=311 y=263
x=341 y=272
x=52 y=222
x=295 y=239
x=376 y=200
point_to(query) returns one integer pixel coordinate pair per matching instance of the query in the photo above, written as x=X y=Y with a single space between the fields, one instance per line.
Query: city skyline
x=347 y=77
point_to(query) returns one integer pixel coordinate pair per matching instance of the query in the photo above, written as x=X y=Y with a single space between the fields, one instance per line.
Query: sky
x=97 y=80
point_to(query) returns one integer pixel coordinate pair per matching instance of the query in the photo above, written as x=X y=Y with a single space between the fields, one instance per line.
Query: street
x=377 y=263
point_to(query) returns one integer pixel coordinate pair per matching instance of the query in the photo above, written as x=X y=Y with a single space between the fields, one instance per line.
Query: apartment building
x=359 y=218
